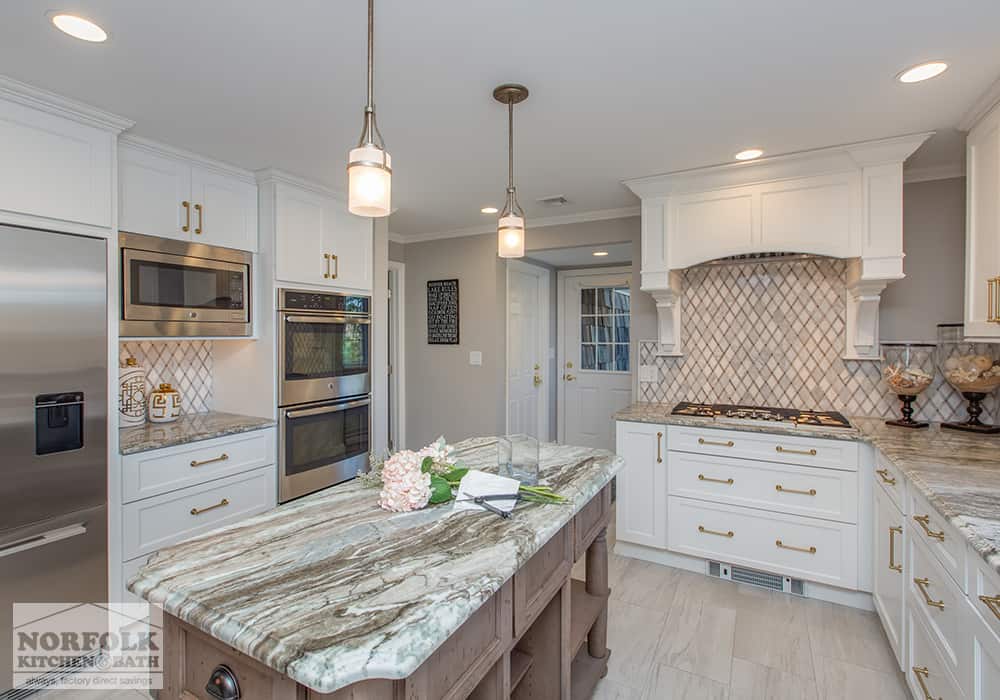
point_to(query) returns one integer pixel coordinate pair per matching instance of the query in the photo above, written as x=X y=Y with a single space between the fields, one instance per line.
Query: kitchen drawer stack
x=174 y=493
x=938 y=600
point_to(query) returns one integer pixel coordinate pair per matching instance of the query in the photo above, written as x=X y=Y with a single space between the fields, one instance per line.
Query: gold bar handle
x=893 y=531
x=924 y=522
x=727 y=443
x=221 y=458
x=886 y=479
x=785 y=450
x=336 y=268
x=198 y=208
x=702 y=477
x=782 y=489
x=992 y=301
x=705 y=530
x=659 y=448
x=326 y=275
x=992 y=602
x=187 y=216
x=921 y=672
x=922 y=584
x=782 y=545
x=221 y=504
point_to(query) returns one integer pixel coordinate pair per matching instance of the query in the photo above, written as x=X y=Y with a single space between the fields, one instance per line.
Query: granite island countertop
x=330 y=589
x=191 y=427
x=958 y=472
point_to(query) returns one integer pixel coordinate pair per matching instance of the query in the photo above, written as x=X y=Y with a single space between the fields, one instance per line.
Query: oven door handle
x=328 y=319
x=320 y=410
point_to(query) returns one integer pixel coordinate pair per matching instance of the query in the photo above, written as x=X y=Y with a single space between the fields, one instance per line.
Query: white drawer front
x=947 y=544
x=815 y=550
x=934 y=596
x=787 y=449
x=159 y=471
x=984 y=591
x=818 y=493
x=157 y=522
x=982 y=666
x=888 y=476
x=927 y=675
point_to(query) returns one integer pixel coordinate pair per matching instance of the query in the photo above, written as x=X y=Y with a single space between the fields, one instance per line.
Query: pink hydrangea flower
x=404 y=486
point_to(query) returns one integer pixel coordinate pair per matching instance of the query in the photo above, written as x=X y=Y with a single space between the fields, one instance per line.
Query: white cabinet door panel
x=982 y=244
x=151 y=191
x=347 y=239
x=641 y=513
x=889 y=582
x=228 y=210
x=299 y=244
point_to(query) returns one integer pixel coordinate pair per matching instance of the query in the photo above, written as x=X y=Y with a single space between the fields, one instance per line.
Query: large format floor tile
x=840 y=680
x=773 y=640
x=753 y=682
x=850 y=635
x=698 y=638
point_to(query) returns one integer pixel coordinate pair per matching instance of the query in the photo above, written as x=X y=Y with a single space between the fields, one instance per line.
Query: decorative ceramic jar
x=131 y=394
x=908 y=369
x=164 y=404
x=973 y=369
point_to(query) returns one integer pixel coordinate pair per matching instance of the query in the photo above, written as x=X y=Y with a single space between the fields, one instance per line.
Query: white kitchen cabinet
x=641 y=513
x=889 y=581
x=166 y=193
x=347 y=239
x=983 y=662
x=982 y=241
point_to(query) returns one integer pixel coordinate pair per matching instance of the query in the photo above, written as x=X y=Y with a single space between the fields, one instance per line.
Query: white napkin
x=478 y=483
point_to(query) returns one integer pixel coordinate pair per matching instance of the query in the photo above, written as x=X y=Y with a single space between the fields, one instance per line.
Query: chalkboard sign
x=442 y=312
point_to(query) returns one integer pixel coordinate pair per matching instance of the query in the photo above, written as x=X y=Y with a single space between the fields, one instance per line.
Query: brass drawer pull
x=782 y=489
x=785 y=450
x=893 y=531
x=922 y=584
x=993 y=300
x=992 y=602
x=705 y=530
x=198 y=511
x=336 y=268
x=326 y=256
x=702 y=477
x=221 y=458
x=198 y=208
x=924 y=521
x=727 y=443
x=921 y=672
x=187 y=216
x=886 y=479
x=659 y=448
x=782 y=545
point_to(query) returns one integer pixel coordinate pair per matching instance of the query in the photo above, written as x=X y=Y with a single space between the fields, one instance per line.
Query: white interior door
x=527 y=349
x=594 y=355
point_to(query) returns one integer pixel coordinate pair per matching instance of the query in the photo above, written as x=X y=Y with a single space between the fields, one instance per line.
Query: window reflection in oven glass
x=316 y=441
x=318 y=350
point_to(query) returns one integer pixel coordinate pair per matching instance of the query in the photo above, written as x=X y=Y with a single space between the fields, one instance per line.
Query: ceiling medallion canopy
x=510 y=226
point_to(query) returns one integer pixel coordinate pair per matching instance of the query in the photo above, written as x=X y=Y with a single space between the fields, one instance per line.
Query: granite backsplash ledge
x=772 y=334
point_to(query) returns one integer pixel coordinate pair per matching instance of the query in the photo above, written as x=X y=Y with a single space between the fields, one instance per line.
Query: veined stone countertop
x=188 y=428
x=331 y=590
x=958 y=472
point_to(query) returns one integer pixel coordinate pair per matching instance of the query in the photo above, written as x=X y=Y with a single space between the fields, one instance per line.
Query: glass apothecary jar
x=973 y=369
x=908 y=369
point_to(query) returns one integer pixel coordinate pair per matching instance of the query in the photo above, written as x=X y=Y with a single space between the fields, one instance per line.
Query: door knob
x=568 y=377
x=537 y=380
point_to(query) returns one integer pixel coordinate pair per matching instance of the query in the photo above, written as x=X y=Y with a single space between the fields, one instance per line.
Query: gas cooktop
x=722 y=411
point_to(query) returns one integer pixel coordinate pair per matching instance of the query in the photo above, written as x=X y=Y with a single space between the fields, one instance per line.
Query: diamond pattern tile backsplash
x=186 y=364
x=772 y=334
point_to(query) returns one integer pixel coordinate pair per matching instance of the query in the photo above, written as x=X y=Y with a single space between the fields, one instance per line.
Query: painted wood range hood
x=842 y=202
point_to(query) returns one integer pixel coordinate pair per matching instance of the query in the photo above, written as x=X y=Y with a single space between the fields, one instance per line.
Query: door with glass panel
x=595 y=356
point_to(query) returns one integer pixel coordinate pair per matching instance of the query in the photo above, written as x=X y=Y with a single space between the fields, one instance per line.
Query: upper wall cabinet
x=843 y=202
x=56 y=170
x=316 y=241
x=982 y=242
x=164 y=192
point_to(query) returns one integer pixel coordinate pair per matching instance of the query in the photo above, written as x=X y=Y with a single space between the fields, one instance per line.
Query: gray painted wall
x=397 y=252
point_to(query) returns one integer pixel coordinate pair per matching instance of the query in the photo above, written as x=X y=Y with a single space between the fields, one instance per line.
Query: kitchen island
x=330 y=596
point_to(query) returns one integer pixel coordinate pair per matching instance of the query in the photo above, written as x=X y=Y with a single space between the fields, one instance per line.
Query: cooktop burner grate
x=826 y=419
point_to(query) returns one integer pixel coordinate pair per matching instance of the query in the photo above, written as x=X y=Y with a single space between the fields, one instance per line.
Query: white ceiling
x=618 y=90
x=582 y=256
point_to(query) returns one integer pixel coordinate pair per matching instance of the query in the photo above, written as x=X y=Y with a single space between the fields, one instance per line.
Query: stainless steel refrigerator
x=53 y=423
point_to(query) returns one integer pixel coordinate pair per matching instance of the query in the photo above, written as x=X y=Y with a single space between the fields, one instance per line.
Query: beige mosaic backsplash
x=186 y=364
x=772 y=334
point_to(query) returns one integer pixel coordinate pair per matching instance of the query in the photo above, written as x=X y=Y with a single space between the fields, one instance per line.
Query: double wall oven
x=324 y=385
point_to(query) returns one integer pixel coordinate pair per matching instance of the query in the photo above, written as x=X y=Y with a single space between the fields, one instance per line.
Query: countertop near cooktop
x=958 y=472
x=188 y=428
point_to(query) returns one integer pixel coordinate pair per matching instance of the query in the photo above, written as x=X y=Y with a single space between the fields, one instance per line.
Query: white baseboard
x=819 y=591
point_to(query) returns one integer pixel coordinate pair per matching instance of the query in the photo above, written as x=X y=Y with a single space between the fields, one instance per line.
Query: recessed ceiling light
x=599 y=253
x=78 y=27
x=749 y=154
x=489 y=210
x=922 y=71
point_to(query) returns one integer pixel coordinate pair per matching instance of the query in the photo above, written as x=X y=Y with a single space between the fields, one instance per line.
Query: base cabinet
x=983 y=658
x=641 y=515
x=889 y=582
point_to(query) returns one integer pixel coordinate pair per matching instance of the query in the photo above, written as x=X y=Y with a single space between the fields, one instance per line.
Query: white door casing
x=593 y=388
x=527 y=349
x=397 y=354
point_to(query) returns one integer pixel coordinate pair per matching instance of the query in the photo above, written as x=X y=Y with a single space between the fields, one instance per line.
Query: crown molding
x=273 y=175
x=37 y=98
x=162 y=149
x=581 y=217
x=984 y=104
x=946 y=171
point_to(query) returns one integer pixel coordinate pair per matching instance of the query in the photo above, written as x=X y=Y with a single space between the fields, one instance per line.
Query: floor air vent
x=761 y=579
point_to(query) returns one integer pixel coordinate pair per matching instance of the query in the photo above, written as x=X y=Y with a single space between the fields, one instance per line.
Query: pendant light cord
x=371 y=56
x=510 y=145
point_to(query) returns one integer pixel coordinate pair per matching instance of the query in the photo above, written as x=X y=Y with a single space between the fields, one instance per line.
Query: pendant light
x=510 y=227
x=369 y=167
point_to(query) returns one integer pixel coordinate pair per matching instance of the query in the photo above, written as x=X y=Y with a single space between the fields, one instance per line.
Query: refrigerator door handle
x=45 y=538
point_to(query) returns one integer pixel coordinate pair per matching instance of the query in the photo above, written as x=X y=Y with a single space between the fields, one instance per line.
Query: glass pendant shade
x=369 y=187
x=510 y=236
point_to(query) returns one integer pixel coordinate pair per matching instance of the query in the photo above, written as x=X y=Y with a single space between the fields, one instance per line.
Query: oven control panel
x=291 y=300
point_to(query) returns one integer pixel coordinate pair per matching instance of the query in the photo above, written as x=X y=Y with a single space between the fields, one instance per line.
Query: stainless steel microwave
x=173 y=288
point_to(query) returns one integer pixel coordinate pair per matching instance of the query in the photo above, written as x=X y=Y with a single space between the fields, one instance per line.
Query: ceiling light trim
x=936 y=62
x=51 y=15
